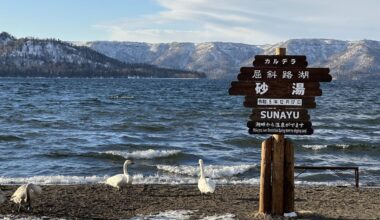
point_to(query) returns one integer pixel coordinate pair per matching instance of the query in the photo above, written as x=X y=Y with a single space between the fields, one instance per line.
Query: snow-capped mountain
x=35 y=57
x=346 y=59
x=217 y=60
x=52 y=58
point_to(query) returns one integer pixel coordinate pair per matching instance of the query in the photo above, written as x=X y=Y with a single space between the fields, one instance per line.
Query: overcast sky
x=242 y=21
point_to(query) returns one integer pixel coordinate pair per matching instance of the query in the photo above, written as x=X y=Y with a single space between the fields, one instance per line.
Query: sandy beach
x=99 y=201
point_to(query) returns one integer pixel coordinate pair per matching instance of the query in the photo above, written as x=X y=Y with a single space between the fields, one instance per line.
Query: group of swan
x=28 y=192
x=121 y=181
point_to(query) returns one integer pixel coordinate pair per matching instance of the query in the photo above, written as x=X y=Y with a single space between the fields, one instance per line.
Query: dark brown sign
x=261 y=88
x=279 y=115
x=279 y=102
x=280 y=88
x=285 y=74
x=296 y=131
x=279 y=61
x=275 y=88
x=274 y=84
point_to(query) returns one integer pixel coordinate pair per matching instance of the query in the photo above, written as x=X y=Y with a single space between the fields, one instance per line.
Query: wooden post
x=277 y=172
x=278 y=166
x=357 y=177
x=289 y=176
x=280 y=51
x=278 y=175
x=265 y=176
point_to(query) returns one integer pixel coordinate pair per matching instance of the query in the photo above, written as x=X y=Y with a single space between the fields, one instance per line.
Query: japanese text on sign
x=285 y=74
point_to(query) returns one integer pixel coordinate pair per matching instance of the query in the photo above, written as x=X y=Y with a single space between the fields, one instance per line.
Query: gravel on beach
x=99 y=201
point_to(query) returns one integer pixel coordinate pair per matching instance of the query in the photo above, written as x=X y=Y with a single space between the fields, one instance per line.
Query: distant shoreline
x=105 y=202
x=39 y=77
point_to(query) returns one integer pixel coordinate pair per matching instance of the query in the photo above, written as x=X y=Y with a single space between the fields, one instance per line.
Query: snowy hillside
x=54 y=58
x=347 y=59
x=217 y=60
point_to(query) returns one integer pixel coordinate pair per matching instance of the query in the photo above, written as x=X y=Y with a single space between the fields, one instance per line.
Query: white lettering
x=273 y=114
x=262 y=114
x=261 y=88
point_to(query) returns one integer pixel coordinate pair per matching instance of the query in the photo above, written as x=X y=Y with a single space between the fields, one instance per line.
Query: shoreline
x=241 y=201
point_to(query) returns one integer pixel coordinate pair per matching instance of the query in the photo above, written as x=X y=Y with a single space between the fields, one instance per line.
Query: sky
x=156 y=21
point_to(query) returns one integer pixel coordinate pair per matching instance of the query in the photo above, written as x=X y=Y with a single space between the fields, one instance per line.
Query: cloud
x=249 y=21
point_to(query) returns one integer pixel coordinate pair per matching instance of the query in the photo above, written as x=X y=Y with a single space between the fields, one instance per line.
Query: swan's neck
x=125 y=169
x=27 y=196
x=202 y=171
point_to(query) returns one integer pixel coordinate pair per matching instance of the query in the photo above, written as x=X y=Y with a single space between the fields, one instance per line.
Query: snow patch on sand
x=227 y=216
x=181 y=214
x=166 y=215
x=14 y=217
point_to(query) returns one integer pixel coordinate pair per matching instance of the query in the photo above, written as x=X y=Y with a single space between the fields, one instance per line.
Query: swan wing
x=201 y=184
x=116 y=181
x=206 y=185
x=19 y=195
x=211 y=185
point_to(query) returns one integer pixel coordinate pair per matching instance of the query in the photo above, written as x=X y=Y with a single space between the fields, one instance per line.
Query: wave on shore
x=349 y=147
x=141 y=179
x=213 y=171
x=144 y=154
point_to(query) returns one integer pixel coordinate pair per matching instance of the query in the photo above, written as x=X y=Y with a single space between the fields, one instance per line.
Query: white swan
x=2 y=197
x=205 y=185
x=121 y=180
x=25 y=194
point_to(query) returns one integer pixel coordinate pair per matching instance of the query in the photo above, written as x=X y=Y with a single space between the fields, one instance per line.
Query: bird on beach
x=25 y=194
x=205 y=186
x=121 y=181
x=2 y=197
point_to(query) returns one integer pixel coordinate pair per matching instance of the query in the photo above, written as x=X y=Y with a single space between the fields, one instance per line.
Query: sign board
x=284 y=74
x=280 y=88
x=275 y=88
x=272 y=84
x=277 y=102
x=294 y=131
x=280 y=115
x=279 y=61
x=282 y=125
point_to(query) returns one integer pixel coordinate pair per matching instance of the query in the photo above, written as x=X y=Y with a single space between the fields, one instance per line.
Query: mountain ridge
x=214 y=60
x=31 y=57
x=346 y=59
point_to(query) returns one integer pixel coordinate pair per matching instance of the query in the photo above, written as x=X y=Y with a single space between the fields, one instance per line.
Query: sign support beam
x=277 y=172
x=278 y=166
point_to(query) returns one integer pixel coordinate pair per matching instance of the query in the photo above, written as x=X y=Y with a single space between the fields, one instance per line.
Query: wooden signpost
x=280 y=88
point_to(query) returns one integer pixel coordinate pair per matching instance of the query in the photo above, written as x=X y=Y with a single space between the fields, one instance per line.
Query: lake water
x=60 y=131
